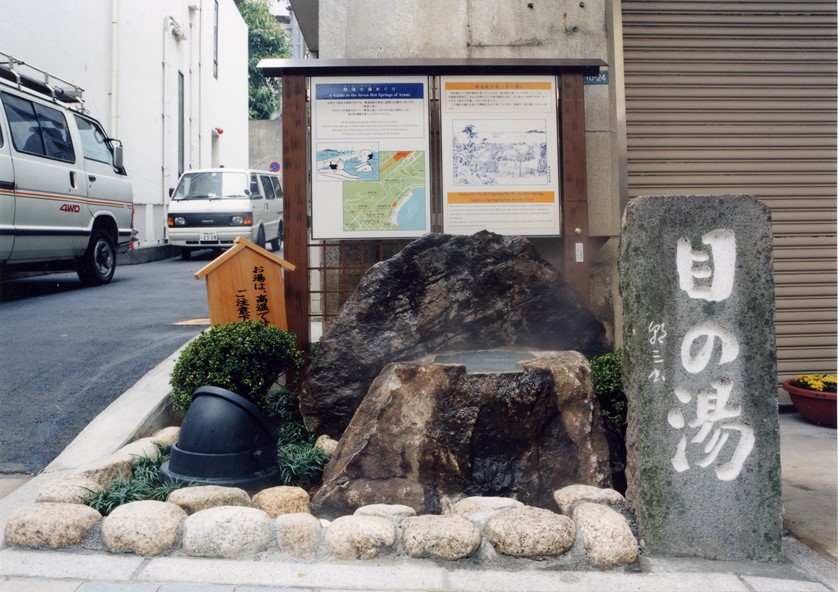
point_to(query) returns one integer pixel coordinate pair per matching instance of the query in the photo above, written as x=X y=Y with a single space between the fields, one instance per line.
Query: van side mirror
x=171 y=191
x=117 y=157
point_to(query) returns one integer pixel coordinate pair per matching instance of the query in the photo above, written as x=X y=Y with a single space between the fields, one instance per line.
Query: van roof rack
x=28 y=77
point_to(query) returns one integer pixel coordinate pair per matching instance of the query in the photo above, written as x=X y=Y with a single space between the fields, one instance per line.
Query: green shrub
x=282 y=405
x=300 y=463
x=145 y=484
x=608 y=383
x=246 y=358
x=293 y=432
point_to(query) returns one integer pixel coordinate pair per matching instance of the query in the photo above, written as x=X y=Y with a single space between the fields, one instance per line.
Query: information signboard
x=370 y=157
x=500 y=162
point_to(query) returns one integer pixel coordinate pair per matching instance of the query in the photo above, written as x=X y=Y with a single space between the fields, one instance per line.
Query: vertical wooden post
x=295 y=210
x=574 y=184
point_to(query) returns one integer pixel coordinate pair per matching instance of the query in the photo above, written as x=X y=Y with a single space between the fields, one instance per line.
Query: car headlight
x=175 y=221
x=241 y=220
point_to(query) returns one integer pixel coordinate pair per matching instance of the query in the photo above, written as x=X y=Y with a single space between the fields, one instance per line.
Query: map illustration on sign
x=370 y=155
x=491 y=152
x=394 y=202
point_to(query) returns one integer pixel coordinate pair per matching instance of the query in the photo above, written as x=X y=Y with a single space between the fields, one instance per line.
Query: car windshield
x=212 y=185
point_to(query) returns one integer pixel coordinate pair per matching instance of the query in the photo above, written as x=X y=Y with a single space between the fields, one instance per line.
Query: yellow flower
x=817 y=382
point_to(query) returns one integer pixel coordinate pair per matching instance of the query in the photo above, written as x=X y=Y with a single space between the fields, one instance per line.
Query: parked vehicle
x=210 y=208
x=65 y=198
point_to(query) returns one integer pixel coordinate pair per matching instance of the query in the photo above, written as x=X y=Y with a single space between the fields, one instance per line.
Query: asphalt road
x=67 y=351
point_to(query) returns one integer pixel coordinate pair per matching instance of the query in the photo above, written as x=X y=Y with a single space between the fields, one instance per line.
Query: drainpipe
x=170 y=26
x=195 y=12
x=113 y=130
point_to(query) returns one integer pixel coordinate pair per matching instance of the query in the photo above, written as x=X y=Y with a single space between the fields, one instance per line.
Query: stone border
x=592 y=530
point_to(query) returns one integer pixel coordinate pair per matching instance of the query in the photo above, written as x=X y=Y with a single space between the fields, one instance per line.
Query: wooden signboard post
x=245 y=284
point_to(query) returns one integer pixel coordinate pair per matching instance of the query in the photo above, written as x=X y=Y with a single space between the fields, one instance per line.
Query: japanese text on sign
x=708 y=274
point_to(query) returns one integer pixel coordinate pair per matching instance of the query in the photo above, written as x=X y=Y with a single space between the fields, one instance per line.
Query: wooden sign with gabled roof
x=245 y=284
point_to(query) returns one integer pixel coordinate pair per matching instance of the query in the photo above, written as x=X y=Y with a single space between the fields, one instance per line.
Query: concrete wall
x=265 y=143
x=509 y=29
x=127 y=56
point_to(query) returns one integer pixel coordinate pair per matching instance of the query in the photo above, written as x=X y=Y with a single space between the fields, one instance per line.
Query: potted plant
x=813 y=395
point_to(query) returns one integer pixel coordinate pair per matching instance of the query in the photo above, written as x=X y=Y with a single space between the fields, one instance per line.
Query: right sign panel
x=500 y=163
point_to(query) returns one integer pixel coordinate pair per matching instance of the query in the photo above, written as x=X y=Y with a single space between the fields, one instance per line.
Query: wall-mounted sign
x=370 y=157
x=500 y=165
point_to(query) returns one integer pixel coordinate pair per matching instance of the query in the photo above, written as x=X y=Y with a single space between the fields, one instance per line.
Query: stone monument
x=700 y=374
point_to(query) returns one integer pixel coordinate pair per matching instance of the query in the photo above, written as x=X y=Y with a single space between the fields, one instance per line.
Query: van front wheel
x=99 y=261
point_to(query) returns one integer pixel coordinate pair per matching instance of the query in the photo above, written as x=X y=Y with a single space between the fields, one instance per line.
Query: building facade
x=166 y=77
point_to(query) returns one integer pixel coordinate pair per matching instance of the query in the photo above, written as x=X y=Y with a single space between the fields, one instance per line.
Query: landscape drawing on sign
x=390 y=196
x=493 y=152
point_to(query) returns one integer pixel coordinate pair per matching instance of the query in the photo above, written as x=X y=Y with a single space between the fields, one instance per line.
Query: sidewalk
x=810 y=499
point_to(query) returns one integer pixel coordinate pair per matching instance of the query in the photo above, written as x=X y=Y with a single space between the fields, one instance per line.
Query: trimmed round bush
x=245 y=357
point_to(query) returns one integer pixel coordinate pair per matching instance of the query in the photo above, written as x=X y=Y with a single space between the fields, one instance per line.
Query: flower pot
x=817 y=407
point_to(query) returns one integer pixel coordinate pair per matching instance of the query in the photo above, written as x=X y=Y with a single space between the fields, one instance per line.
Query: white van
x=210 y=208
x=65 y=198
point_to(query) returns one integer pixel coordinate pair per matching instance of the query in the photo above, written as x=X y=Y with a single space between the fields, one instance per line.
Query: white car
x=65 y=198
x=210 y=208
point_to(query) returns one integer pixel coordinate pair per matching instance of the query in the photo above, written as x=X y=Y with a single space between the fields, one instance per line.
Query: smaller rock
x=394 y=512
x=530 y=532
x=606 y=534
x=284 y=499
x=326 y=444
x=166 y=436
x=227 y=532
x=478 y=504
x=567 y=497
x=144 y=527
x=140 y=448
x=71 y=489
x=360 y=537
x=53 y=525
x=439 y=537
x=203 y=497
x=109 y=468
x=298 y=534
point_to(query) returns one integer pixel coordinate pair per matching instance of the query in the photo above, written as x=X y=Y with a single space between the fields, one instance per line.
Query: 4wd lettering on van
x=70 y=208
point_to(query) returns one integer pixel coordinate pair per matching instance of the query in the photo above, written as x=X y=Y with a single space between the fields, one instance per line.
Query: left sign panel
x=370 y=156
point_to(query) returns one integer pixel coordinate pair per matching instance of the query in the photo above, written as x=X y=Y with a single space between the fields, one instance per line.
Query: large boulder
x=440 y=293
x=428 y=432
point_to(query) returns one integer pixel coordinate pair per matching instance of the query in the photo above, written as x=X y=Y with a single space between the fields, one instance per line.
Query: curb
x=146 y=254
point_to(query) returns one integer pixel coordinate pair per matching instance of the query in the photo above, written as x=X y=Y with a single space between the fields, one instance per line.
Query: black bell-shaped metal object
x=224 y=440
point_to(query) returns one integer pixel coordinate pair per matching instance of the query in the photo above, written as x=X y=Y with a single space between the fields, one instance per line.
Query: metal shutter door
x=740 y=97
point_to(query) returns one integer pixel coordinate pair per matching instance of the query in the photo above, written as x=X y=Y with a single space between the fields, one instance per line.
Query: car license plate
x=208 y=236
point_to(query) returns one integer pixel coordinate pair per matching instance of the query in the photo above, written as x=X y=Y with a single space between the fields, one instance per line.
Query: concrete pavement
x=809 y=495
